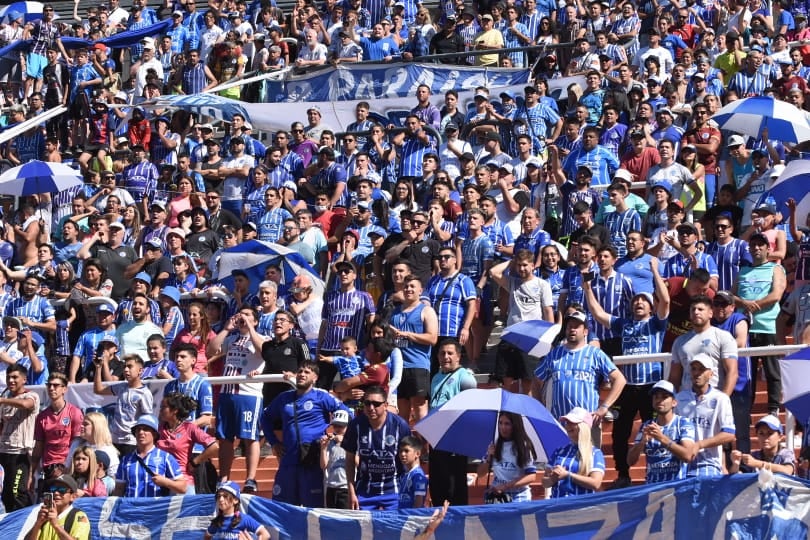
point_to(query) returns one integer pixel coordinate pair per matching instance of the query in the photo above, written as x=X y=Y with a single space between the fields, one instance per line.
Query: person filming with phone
x=57 y=518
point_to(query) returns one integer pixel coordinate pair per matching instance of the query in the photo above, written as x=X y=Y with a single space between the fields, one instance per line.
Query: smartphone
x=589 y=276
x=353 y=201
x=47 y=500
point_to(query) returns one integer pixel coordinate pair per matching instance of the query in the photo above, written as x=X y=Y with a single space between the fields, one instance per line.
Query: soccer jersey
x=56 y=429
x=575 y=375
x=411 y=485
x=474 y=252
x=345 y=314
x=138 y=480
x=380 y=469
x=241 y=358
x=641 y=338
x=729 y=258
x=663 y=465
x=711 y=414
x=568 y=458
x=449 y=296
x=226 y=531
x=507 y=469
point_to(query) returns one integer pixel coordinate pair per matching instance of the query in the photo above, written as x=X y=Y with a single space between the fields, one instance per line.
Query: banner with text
x=739 y=507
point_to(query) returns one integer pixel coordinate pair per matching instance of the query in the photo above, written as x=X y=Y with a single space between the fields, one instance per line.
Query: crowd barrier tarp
x=739 y=507
x=378 y=81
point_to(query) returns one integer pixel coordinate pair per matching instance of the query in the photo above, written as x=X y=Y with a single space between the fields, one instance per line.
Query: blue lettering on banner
x=739 y=507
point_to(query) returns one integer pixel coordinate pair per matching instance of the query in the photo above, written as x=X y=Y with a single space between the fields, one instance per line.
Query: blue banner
x=738 y=507
x=376 y=81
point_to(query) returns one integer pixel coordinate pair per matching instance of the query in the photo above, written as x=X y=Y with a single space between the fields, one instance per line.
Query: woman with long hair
x=178 y=435
x=657 y=215
x=511 y=459
x=83 y=469
x=254 y=200
x=184 y=200
x=197 y=332
x=578 y=468
x=94 y=281
x=688 y=158
x=403 y=198
x=132 y=223
x=547 y=32
x=95 y=433
x=183 y=276
x=230 y=522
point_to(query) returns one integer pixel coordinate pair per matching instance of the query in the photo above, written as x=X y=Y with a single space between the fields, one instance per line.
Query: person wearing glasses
x=302 y=415
x=54 y=430
x=58 y=518
x=373 y=457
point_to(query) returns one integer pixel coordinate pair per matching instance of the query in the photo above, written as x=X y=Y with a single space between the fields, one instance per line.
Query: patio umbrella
x=795 y=369
x=792 y=184
x=39 y=177
x=749 y=116
x=534 y=337
x=254 y=256
x=468 y=423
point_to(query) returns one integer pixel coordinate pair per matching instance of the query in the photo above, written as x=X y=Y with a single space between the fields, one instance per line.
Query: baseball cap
x=686 y=227
x=159 y=204
x=468 y=156
x=703 y=359
x=13 y=321
x=105 y=308
x=148 y=43
x=646 y=295
x=735 y=140
x=346 y=264
x=578 y=415
x=177 y=12
x=65 y=480
x=724 y=297
x=487 y=16
x=623 y=174
x=154 y=243
x=769 y=420
x=665 y=110
x=379 y=231
x=209 y=127
x=177 y=231
x=451 y=126
x=230 y=487
x=765 y=207
x=675 y=204
x=481 y=94
x=699 y=75
x=577 y=316
x=102 y=458
x=340 y=418
x=109 y=338
x=117 y=225
x=534 y=161
x=506 y=167
x=664 y=386
x=364 y=205
x=250 y=225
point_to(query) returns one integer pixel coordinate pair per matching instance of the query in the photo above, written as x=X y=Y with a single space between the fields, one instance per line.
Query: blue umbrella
x=210 y=105
x=254 y=256
x=795 y=370
x=749 y=116
x=39 y=177
x=468 y=423
x=792 y=184
x=30 y=11
x=534 y=337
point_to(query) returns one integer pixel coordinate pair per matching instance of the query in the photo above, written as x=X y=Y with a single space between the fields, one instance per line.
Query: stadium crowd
x=428 y=236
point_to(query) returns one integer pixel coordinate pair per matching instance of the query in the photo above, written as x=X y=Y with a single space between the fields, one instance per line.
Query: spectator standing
x=18 y=413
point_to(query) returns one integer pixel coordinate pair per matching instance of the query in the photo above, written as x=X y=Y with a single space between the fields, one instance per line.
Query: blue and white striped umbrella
x=209 y=105
x=468 y=423
x=534 y=337
x=749 y=116
x=39 y=177
x=793 y=183
x=795 y=369
x=30 y=11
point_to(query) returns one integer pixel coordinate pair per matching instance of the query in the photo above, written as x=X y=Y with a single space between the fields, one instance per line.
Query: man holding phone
x=57 y=518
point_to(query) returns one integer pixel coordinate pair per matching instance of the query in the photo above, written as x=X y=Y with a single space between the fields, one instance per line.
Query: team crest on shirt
x=65 y=421
x=201 y=239
x=425 y=249
x=122 y=254
x=364 y=439
x=276 y=490
x=390 y=440
x=287 y=351
x=308 y=405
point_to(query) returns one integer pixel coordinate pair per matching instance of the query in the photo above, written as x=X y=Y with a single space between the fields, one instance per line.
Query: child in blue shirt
x=348 y=364
x=413 y=484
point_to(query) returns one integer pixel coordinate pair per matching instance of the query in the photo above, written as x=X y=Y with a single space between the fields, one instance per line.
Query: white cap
x=704 y=359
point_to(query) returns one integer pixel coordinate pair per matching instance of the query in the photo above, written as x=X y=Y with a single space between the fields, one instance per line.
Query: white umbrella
x=39 y=177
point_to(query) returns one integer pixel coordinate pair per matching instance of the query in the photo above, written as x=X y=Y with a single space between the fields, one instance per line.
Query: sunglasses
x=721 y=227
x=446 y=257
x=345 y=271
x=419 y=223
x=54 y=385
x=58 y=489
x=296 y=131
x=228 y=236
x=375 y=404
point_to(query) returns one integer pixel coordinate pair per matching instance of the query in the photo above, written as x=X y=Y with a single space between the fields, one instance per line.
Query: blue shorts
x=35 y=65
x=299 y=485
x=379 y=502
x=238 y=417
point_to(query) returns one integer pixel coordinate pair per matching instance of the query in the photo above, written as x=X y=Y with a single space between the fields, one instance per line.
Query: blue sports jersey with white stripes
x=570 y=196
x=474 y=252
x=619 y=224
x=533 y=241
x=38 y=309
x=411 y=154
x=711 y=414
x=140 y=180
x=575 y=376
x=139 y=481
x=614 y=294
x=729 y=258
x=449 y=297
x=345 y=314
x=380 y=467
x=270 y=224
x=87 y=344
x=641 y=338
x=663 y=465
x=679 y=265
x=568 y=458
x=572 y=284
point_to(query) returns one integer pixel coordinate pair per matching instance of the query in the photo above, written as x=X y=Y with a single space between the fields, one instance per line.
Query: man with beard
x=303 y=415
x=414 y=247
x=410 y=145
x=132 y=335
x=688 y=258
x=591 y=154
x=328 y=177
x=574 y=191
x=18 y=409
x=30 y=308
x=106 y=244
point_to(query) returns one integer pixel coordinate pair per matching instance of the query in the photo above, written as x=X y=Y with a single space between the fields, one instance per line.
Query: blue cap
x=14 y=15
x=109 y=338
x=508 y=93
x=37 y=338
x=230 y=487
x=665 y=185
x=105 y=308
x=171 y=292
x=379 y=231
x=148 y=420
x=143 y=276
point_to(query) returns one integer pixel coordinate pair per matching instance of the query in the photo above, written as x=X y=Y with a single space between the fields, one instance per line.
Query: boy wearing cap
x=86 y=350
x=769 y=456
x=60 y=519
x=668 y=441
x=710 y=410
x=333 y=462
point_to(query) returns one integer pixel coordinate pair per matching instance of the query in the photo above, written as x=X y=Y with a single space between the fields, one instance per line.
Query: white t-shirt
x=711 y=414
x=234 y=186
x=508 y=469
x=527 y=300
x=240 y=359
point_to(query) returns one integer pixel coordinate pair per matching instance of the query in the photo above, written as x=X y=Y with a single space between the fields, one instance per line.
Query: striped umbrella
x=750 y=116
x=38 y=177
